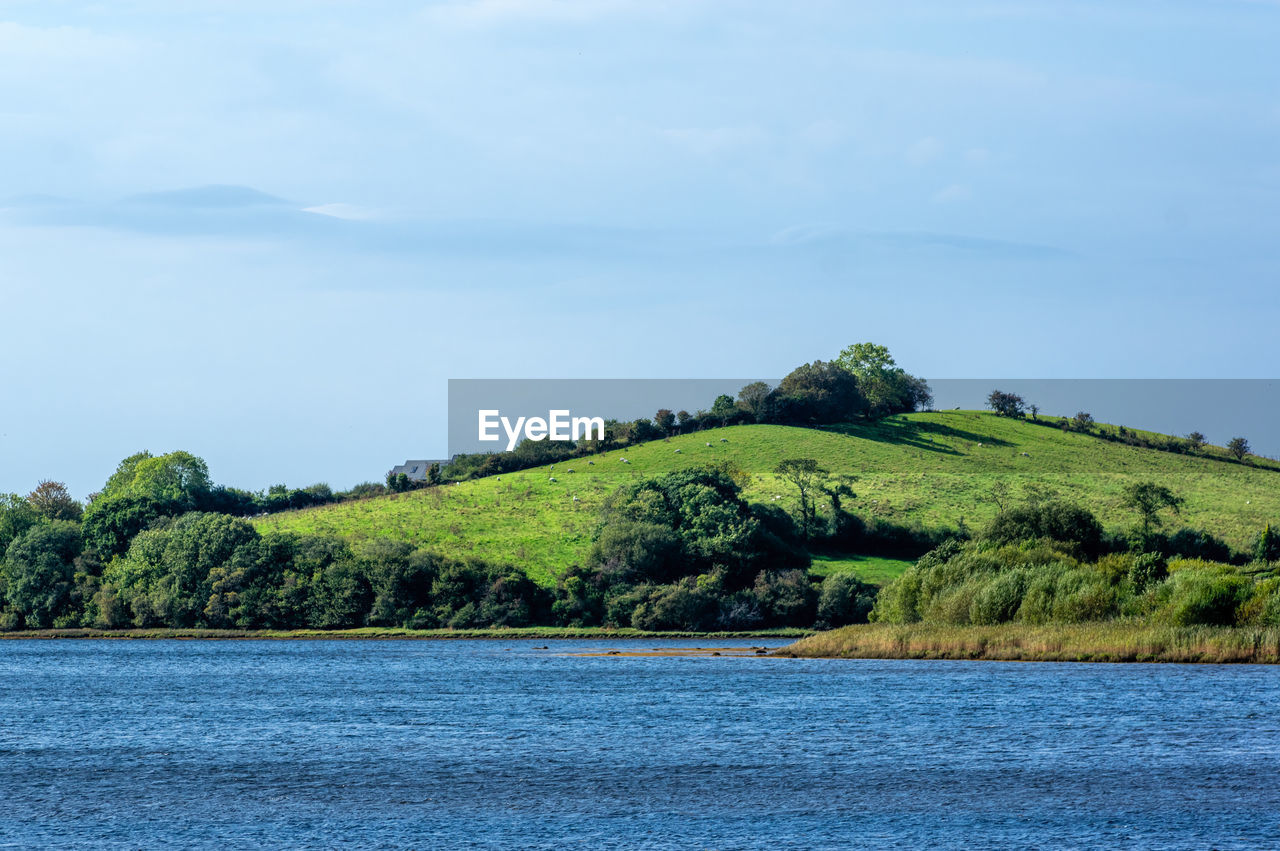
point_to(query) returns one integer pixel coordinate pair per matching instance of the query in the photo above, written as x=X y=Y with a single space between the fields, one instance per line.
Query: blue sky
x=269 y=238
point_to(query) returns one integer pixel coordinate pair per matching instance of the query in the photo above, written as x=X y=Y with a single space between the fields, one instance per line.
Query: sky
x=271 y=237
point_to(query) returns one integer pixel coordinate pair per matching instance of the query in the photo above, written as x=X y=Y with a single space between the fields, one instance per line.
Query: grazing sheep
x=575 y=499
x=552 y=479
x=591 y=463
x=1026 y=455
x=625 y=461
x=724 y=440
x=677 y=450
x=570 y=470
x=708 y=443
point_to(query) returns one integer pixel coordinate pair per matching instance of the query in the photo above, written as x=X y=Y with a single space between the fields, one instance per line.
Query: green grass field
x=937 y=468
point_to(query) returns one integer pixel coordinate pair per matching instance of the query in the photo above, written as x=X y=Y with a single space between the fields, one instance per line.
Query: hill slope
x=938 y=468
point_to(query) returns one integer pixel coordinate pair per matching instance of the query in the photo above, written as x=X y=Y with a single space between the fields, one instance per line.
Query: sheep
x=708 y=443
x=677 y=451
x=570 y=470
x=591 y=463
x=625 y=461
x=575 y=499
x=724 y=440
x=552 y=479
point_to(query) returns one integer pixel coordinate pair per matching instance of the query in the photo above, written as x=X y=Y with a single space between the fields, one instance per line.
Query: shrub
x=1147 y=569
x=844 y=599
x=1208 y=597
x=998 y=599
x=1055 y=520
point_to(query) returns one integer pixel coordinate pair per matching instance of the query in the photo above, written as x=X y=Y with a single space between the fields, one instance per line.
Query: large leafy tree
x=887 y=388
x=17 y=515
x=175 y=478
x=39 y=572
x=806 y=477
x=1148 y=499
x=53 y=501
x=685 y=523
x=818 y=392
x=165 y=576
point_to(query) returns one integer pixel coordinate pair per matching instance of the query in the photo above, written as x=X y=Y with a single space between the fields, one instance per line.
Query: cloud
x=832 y=239
x=952 y=194
x=207 y=197
x=924 y=151
x=350 y=212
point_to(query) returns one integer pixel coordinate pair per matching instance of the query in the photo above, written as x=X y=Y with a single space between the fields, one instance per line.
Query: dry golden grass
x=1116 y=641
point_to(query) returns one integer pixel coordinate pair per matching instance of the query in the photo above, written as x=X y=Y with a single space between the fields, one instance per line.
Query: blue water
x=500 y=744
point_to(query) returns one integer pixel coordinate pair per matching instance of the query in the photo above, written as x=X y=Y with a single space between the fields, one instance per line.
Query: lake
x=418 y=744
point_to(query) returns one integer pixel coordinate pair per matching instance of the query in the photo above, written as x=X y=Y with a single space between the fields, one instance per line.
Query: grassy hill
x=938 y=468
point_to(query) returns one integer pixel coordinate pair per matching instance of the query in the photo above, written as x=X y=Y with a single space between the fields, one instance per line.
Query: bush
x=1209 y=597
x=683 y=606
x=998 y=600
x=1147 y=569
x=844 y=599
x=1055 y=520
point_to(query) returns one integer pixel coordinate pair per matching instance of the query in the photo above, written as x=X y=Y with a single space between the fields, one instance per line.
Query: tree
x=887 y=388
x=806 y=476
x=1082 y=421
x=1267 y=547
x=1195 y=441
x=1005 y=404
x=844 y=599
x=665 y=419
x=1149 y=499
x=165 y=576
x=1238 y=447
x=1035 y=411
x=723 y=409
x=866 y=358
x=753 y=398
x=39 y=570
x=179 y=479
x=53 y=501
x=16 y=516
x=1054 y=519
x=818 y=392
x=111 y=522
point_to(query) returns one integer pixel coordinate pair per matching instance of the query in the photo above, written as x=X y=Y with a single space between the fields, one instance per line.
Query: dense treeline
x=684 y=551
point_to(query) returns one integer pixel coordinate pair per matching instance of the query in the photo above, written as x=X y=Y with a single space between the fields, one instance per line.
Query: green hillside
x=937 y=468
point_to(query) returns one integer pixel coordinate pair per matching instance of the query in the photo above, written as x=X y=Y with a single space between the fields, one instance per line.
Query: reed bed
x=1113 y=641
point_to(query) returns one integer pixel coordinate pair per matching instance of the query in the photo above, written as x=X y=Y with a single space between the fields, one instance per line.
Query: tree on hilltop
x=1005 y=404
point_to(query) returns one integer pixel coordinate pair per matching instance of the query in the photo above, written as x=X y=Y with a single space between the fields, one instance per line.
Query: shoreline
x=1116 y=641
x=385 y=633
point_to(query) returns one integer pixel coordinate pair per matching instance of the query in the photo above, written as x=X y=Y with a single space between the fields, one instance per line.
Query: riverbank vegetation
x=1117 y=641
